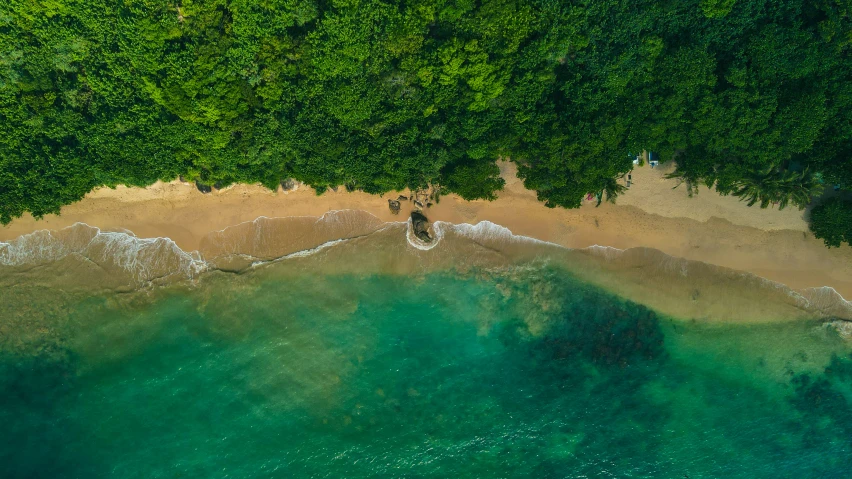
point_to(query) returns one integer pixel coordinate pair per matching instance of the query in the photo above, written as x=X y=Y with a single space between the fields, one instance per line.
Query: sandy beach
x=707 y=227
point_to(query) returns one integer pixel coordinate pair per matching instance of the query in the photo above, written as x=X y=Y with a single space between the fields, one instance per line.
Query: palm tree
x=611 y=189
x=783 y=187
x=685 y=178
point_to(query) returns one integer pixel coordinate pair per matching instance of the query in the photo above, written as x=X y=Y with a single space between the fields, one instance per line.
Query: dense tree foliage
x=831 y=221
x=753 y=96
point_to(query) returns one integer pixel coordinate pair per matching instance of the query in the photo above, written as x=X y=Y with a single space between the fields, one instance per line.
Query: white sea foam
x=480 y=232
x=142 y=259
x=413 y=240
x=330 y=216
x=843 y=328
x=827 y=300
x=486 y=230
x=606 y=252
x=146 y=260
x=269 y=238
x=304 y=253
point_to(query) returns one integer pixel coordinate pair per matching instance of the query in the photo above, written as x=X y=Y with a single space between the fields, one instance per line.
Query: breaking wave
x=142 y=260
x=139 y=262
x=488 y=231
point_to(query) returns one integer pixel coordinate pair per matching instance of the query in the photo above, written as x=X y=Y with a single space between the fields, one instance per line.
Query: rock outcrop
x=203 y=188
x=288 y=185
x=394 y=206
x=420 y=225
x=423 y=198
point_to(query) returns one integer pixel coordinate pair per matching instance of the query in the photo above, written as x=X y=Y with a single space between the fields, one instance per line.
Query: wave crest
x=139 y=262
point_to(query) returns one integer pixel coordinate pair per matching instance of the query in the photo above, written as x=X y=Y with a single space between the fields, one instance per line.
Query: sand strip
x=708 y=227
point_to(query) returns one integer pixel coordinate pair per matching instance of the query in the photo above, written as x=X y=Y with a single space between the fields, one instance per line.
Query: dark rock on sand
x=418 y=204
x=421 y=226
x=402 y=198
x=288 y=184
x=394 y=206
x=203 y=188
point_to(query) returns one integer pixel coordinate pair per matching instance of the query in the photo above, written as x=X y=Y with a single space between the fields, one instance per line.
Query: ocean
x=341 y=347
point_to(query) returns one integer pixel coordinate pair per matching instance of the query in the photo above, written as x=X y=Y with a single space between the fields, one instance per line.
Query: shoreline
x=709 y=228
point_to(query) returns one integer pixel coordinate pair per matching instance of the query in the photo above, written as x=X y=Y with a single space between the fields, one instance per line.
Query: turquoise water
x=522 y=371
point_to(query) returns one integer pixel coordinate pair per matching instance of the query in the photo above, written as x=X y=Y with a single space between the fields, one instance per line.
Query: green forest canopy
x=753 y=96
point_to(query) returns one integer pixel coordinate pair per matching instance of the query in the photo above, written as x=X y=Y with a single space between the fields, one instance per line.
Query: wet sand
x=710 y=228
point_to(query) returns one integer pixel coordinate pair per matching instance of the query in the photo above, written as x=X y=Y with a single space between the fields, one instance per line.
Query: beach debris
x=420 y=225
x=203 y=188
x=394 y=206
x=288 y=185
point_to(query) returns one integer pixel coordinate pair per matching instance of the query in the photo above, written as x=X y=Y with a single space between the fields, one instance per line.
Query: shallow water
x=368 y=360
